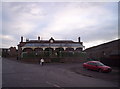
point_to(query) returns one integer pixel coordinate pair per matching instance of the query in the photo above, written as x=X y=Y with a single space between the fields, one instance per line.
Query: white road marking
x=55 y=85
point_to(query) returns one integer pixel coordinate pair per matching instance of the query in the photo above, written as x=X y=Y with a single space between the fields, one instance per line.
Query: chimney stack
x=38 y=38
x=21 y=38
x=27 y=39
x=78 y=39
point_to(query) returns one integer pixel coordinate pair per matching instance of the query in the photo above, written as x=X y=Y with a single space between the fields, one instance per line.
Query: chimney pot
x=78 y=39
x=38 y=38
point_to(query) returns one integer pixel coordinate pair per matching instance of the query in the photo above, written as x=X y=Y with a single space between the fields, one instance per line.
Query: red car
x=96 y=65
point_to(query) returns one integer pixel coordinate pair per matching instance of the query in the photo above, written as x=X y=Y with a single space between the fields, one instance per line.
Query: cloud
x=7 y=40
x=21 y=19
x=18 y=28
x=87 y=21
x=6 y=37
x=93 y=22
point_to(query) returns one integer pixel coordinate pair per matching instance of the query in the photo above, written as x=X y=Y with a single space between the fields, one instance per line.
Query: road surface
x=0 y=72
x=17 y=74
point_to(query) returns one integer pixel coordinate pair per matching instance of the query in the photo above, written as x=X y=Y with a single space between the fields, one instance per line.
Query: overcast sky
x=94 y=22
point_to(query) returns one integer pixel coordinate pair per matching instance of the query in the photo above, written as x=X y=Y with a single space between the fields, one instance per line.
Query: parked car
x=97 y=65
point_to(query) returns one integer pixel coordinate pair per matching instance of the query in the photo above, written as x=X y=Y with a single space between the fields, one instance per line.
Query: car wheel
x=100 y=70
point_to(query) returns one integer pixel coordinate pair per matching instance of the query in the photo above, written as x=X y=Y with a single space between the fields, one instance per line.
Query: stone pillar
x=64 y=48
x=19 y=52
x=44 y=48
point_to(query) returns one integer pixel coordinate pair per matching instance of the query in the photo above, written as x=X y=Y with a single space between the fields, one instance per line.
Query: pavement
x=17 y=74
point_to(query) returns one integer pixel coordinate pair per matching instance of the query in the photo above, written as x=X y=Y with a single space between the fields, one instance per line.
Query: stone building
x=52 y=46
x=4 y=52
x=12 y=52
x=9 y=52
x=108 y=52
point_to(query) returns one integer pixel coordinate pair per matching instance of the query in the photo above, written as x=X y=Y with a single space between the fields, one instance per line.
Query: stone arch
x=27 y=50
x=38 y=49
x=78 y=49
x=59 y=49
x=48 y=52
x=69 y=49
x=49 y=49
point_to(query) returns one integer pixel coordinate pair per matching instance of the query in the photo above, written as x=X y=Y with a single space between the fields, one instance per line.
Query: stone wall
x=105 y=51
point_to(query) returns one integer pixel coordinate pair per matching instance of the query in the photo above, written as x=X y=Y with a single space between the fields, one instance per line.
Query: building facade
x=8 y=52
x=108 y=52
x=51 y=46
x=4 y=52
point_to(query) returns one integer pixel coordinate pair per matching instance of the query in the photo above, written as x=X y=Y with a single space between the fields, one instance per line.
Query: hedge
x=61 y=54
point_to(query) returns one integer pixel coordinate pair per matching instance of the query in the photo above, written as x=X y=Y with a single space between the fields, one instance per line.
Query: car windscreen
x=100 y=64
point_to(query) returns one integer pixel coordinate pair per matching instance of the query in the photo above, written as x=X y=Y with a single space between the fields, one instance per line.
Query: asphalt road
x=17 y=74
x=0 y=72
x=112 y=76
